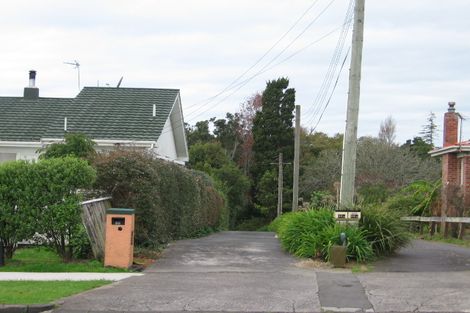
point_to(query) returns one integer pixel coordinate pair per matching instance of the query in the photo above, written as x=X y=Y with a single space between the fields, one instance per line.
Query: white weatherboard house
x=141 y=118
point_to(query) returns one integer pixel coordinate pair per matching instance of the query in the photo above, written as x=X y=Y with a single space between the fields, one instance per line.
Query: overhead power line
x=313 y=111
x=277 y=55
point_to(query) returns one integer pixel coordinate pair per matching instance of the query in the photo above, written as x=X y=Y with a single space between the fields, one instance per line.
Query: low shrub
x=312 y=233
x=358 y=247
x=279 y=222
x=384 y=229
x=301 y=232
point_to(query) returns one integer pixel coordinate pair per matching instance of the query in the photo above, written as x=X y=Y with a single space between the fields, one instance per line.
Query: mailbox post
x=119 y=240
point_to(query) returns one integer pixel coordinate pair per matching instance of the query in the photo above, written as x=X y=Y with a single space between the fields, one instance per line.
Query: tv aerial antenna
x=75 y=65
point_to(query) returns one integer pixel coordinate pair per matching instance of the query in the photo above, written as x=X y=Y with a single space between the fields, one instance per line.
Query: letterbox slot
x=118 y=221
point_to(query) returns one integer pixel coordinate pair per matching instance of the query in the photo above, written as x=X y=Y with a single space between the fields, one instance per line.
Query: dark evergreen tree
x=273 y=133
x=429 y=130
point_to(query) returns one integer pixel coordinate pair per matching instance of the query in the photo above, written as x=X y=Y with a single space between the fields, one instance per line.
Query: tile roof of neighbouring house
x=99 y=112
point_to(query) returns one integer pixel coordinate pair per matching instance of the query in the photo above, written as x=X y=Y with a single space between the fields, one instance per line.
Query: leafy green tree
x=273 y=133
x=75 y=144
x=267 y=199
x=228 y=132
x=378 y=164
x=17 y=220
x=53 y=192
x=199 y=133
x=419 y=147
x=42 y=197
x=212 y=159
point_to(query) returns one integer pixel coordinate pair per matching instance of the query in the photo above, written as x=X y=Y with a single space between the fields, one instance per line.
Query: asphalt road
x=248 y=272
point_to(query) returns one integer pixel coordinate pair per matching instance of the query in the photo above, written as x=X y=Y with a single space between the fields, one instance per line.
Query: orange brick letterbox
x=119 y=240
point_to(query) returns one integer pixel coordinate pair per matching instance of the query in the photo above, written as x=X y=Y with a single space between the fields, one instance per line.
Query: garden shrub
x=54 y=194
x=42 y=197
x=416 y=198
x=358 y=247
x=384 y=229
x=312 y=233
x=171 y=202
x=17 y=221
x=301 y=232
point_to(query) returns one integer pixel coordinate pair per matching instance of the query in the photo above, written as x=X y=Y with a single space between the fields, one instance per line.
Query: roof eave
x=450 y=149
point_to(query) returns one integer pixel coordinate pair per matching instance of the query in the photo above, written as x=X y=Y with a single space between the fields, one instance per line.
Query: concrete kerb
x=20 y=308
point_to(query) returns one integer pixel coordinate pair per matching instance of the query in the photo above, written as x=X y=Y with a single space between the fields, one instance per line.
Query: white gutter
x=22 y=144
x=449 y=149
x=110 y=142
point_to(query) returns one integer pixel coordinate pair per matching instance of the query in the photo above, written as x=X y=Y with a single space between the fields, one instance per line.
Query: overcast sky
x=416 y=54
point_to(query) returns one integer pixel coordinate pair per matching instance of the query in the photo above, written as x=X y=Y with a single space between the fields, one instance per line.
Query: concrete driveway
x=228 y=271
x=248 y=272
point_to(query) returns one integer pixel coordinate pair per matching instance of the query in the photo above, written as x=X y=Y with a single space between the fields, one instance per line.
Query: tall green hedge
x=171 y=201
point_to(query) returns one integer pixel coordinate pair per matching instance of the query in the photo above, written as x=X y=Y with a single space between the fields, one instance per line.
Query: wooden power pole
x=348 y=168
x=295 y=188
x=279 y=187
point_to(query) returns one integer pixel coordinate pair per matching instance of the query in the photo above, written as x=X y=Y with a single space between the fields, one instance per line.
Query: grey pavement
x=426 y=256
x=228 y=271
x=248 y=272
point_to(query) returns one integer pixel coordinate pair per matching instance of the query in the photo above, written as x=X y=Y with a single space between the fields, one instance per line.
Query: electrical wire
x=316 y=108
x=332 y=91
x=262 y=56
x=275 y=57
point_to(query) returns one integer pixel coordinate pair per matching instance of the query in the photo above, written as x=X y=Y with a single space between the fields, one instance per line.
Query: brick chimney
x=451 y=126
x=31 y=92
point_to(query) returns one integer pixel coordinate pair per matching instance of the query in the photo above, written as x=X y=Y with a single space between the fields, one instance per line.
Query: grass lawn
x=42 y=292
x=43 y=259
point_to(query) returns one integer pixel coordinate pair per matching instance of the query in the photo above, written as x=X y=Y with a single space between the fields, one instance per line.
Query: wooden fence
x=94 y=220
x=439 y=219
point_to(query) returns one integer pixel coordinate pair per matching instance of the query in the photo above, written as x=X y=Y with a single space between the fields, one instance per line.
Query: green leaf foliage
x=312 y=233
x=273 y=133
x=75 y=144
x=358 y=247
x=16 y=217
x=384 y=229
x=171 y=202
x=42 y=197
x=212 y=159
x=416 y=199
x=301 y=233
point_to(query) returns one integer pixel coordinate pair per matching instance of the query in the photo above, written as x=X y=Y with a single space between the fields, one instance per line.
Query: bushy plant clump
x=384 y=230
x=312 y=233
x=42 y=197
x=358 y=247
x=171 y=202
x=301 y=233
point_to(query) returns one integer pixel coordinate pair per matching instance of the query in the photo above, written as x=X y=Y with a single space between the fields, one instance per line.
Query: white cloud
x=415 y=53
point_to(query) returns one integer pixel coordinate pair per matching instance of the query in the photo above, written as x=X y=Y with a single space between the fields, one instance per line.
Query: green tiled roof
x=98 y=112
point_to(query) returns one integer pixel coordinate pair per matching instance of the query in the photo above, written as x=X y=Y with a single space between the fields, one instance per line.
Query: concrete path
x=65 y=276
x=229 y=271
x=248 y=272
